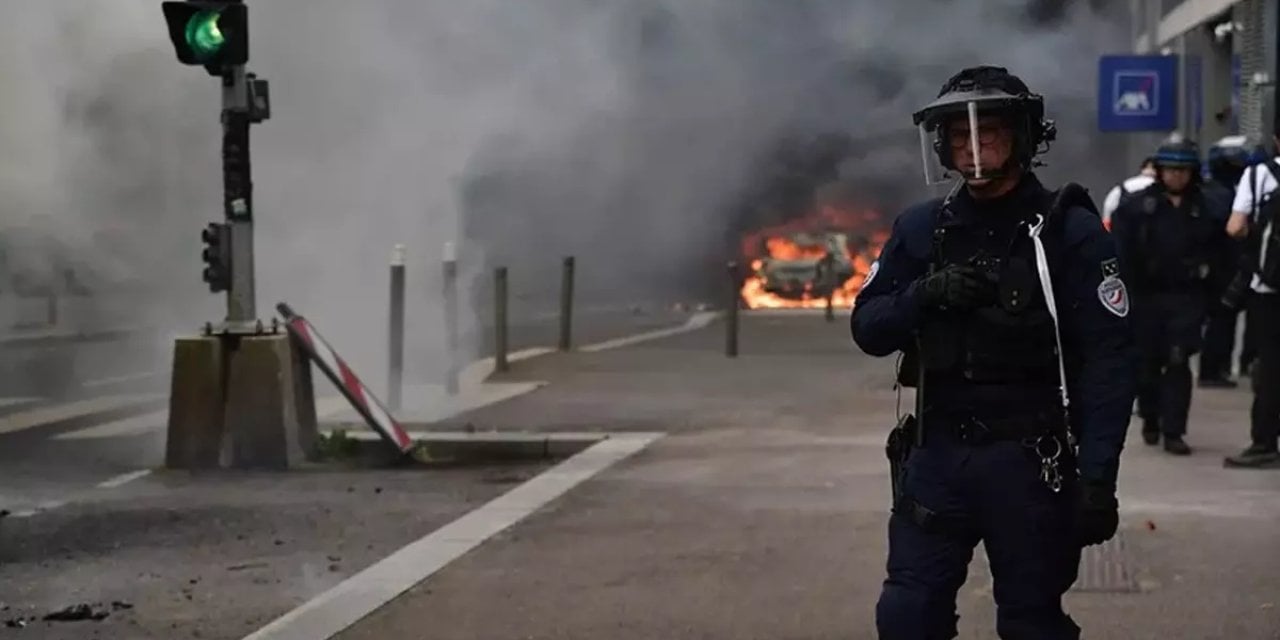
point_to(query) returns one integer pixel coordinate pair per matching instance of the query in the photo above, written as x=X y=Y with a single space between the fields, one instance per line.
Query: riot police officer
x=1008 y=299
x=1169 y=238
x=1227 y=160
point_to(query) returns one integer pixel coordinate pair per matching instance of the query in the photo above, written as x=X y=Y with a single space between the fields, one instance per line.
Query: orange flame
x=778 y=244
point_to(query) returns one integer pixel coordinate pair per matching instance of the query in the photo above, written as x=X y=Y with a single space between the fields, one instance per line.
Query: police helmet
x=1179 y=154
x=1228 y=157
x=980 y=91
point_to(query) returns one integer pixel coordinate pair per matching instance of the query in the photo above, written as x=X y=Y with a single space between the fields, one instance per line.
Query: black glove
x=956 y=287
x=1097 y=513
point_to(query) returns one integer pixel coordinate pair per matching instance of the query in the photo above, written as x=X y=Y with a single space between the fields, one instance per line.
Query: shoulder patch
x=1113 y=296
x=1110 y=267
x=871 y=274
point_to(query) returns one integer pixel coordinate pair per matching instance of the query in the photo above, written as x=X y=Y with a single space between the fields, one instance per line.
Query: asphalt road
x=762 y=513
x=91 y=519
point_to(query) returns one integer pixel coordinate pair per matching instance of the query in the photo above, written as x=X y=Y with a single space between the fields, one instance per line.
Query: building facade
x=1227 y=65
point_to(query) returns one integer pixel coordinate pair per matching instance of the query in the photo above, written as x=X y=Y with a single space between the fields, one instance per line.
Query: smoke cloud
x=623 y=132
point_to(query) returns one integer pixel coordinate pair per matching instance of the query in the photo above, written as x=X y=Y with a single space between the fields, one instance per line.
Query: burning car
x=805 y=264
x=802 y=262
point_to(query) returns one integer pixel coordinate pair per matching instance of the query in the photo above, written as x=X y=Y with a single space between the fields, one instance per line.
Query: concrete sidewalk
x=762 y=512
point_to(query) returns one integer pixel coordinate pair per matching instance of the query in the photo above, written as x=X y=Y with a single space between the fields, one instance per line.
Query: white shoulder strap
x=1046 y=285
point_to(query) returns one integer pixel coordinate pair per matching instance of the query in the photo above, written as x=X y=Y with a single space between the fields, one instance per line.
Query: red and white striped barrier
x=360 y=397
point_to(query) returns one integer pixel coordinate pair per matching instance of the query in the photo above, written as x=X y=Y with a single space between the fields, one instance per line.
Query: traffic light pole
x=240 y=394
x=238 y=200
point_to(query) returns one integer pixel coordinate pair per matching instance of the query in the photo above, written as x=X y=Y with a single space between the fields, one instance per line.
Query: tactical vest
x=1191 y=232
x=1009 y=342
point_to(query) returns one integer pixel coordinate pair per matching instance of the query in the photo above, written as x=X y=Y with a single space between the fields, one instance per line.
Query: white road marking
x=338 y=608
x=69 y=410
x=9 y=402
x=136 y=425
x=130 y=377
x=123 y=479
x=697 y=321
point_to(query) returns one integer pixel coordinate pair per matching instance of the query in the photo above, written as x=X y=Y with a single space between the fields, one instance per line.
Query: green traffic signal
x=203 y=35
x=212 y=33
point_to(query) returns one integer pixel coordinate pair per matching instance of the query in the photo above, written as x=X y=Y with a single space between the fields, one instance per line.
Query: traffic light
x=217 y=256
x=210 y=33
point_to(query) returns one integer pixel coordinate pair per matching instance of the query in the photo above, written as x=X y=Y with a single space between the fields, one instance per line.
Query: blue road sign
x=1137 y=93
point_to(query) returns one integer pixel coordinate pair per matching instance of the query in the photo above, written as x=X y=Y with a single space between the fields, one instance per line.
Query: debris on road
x=77 y=613
x=247 y=565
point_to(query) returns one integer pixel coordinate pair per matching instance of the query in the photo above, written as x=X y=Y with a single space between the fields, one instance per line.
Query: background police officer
x=1253 y=217
x=958 y=286
x=1227 y=160
x=1123 y=191
x=1170 y=238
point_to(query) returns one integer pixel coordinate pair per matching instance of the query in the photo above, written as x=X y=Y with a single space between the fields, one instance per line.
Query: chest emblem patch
x=871 y=274
x=1114 y=296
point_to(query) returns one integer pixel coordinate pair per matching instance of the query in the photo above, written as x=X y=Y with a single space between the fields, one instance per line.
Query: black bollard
x=450 y=272
x=731 y=319
x=566 y=303
x=500 y=319
x=395 y=342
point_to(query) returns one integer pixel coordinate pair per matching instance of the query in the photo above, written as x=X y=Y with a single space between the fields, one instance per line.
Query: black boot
x=1255 y=457
x=1176 y=446
x=1150 y=431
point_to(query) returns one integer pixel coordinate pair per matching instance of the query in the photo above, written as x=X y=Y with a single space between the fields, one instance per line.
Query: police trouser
x=956 y=494
x=1219 y=342
x=1264 y=314
x=1168 y=334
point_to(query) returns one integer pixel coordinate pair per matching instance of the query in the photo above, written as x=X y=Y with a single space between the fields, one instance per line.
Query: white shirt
x=1130 y=185
x=1256 y=179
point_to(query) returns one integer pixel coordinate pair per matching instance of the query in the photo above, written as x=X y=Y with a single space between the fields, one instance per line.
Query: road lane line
x=354 y=598
x=70 y=410
x=136 y=425
x=697 y=321
x=123 y=479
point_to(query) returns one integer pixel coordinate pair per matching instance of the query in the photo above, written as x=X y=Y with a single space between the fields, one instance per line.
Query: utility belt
x=1043 y=434
x=1007 y=426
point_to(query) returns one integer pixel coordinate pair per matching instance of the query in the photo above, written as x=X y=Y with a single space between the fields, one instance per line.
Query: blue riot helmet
x=1178 y=154
x=969 y=95
x=1227 y=160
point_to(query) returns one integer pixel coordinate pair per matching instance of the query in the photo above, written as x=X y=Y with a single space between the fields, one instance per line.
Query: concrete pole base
x=244 y=402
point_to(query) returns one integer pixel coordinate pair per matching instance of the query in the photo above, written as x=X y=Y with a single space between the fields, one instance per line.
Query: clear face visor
x=958 y=143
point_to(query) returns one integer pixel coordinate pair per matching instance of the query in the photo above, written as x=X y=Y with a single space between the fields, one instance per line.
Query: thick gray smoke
x=621 y=132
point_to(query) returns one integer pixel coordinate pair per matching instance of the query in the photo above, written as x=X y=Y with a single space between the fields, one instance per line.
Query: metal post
x=450 y=271
x=51 y=309
x=238 y=195
x=566 y=303
x=395 y=356
x=731 y=320
x=829 y=281
x=500 y=319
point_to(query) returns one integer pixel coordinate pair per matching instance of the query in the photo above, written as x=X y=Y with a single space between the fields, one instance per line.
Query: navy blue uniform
x=991 y=490
x=1220 y=328
x=1172 y=254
